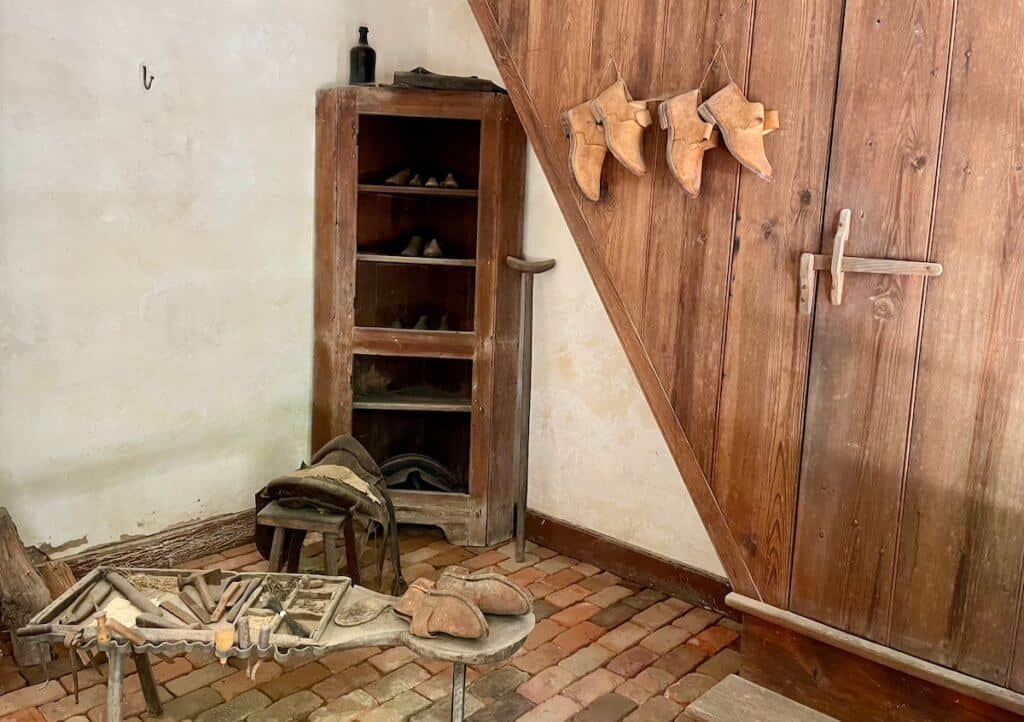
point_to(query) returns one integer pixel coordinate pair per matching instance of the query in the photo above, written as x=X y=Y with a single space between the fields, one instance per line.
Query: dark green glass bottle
x=362 y=61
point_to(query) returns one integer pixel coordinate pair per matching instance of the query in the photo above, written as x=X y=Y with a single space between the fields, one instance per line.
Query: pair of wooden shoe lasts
x=455 y=605
x=614 y=122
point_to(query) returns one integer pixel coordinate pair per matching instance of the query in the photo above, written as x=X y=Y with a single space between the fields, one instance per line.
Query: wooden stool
x=308 y=519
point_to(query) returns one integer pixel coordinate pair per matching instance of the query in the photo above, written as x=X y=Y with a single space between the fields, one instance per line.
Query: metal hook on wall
x=147 y=79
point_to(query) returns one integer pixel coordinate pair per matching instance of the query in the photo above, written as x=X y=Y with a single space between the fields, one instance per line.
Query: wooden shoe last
x=743 y=126
x=587 y=149
x=432 y=611
x=623 y=121
x=689 y=138
x=492 y=593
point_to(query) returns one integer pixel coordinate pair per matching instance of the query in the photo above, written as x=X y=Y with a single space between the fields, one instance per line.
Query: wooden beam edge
x=880 y=654
x=668 y=576
x=710 y=512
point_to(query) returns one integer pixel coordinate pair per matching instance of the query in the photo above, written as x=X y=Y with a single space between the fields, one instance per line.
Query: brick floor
x=606 y=649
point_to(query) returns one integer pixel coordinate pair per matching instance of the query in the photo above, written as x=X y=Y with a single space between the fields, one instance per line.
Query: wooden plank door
x=885 y=148
x=910 y=514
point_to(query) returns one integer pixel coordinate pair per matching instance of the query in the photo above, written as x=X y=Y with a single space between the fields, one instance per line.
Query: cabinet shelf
x=413 y=342
x=415 y=260
x=412 y=401
x=390 y=190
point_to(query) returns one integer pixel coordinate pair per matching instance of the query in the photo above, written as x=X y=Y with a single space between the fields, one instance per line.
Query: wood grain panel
x=557 y=64
x=959 y=567
x=757 y=458
x=553 y=29
x=335 y=257
x=628 y=36
x=690 y=244
x=884 y=157
x=850 y=687
x=513 y=19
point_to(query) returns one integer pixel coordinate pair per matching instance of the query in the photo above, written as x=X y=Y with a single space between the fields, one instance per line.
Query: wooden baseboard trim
x=629 y=562
x=172 y=546
x=881 y=655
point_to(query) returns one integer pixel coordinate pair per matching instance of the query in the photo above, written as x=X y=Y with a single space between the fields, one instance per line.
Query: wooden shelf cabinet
x=447 y=390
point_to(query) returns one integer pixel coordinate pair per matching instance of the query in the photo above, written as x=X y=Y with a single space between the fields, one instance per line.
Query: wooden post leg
x=115 y=682
x=351 y=550
x=522 y=434
x=458 y=692
x=276 y=550
x=149 y=690
x=331 y=554
x=294 y=540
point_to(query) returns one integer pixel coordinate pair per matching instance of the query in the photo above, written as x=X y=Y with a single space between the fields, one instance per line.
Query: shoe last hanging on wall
x=743 y=126
x=689 y=138
x=587 y=149
x=624 y=121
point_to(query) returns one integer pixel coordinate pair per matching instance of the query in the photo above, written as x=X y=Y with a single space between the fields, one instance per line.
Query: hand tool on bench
x=296 y=628
x=194 y=605
x=228 y=596
x=87 y=603
x=199 y=581
x=174 y=610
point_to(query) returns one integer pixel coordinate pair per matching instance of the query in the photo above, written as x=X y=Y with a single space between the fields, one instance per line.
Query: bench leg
x=277 y=549
x=331 y=554
x=351 y=550
x=149 y=690
x=115 y=682
x=458 y=692
x=295 y=539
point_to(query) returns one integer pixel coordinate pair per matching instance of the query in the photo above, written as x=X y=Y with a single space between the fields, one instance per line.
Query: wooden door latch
x=839 y=264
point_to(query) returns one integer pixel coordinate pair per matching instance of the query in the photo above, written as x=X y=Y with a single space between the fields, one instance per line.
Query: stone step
x=735 y=699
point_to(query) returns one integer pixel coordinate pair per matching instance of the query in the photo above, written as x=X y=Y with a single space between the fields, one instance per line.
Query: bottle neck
x=362 y=36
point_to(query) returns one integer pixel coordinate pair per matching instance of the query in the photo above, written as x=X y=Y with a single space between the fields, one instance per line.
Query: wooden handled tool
x=198 y=580
x=194 y=605
x=228 y=596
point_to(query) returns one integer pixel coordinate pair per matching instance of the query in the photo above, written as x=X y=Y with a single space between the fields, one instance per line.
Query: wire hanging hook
x=147 y=79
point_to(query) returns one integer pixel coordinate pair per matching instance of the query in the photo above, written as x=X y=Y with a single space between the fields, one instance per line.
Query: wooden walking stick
x=527 y=270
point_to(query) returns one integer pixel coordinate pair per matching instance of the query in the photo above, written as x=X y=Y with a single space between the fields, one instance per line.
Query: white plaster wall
x=156 y=272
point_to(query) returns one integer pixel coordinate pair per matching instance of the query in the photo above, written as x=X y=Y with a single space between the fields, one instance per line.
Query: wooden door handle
x=839 y=264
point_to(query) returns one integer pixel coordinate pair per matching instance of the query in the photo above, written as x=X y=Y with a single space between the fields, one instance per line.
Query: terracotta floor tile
x=630 y=662
x=546 y=684
x=571 y=616
x=526 y=577
x=391 y=659
x=606 y=708
x=713 y=639
x=578 y=637
x=561 y=579
x=544 y=631
x=587 y=689
x=608 y=596
x=623 y=637
x=664 y=640
x=539 y=659
x=696 y=620
x=556 y=709
x=690 y=688
x=568 y=596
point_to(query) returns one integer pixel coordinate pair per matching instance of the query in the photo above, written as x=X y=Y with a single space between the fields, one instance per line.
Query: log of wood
x=22 y=592
x=57 y=576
